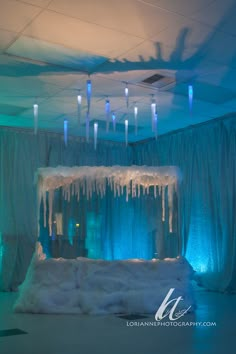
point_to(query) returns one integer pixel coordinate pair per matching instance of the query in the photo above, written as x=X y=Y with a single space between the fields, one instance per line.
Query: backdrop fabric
x=206 y=154
x=21 y=153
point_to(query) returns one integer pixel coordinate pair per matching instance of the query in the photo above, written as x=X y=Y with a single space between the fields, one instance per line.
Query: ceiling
x=48 y=48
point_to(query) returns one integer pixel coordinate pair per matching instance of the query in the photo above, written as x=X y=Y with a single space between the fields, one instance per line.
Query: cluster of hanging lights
x=110 y=114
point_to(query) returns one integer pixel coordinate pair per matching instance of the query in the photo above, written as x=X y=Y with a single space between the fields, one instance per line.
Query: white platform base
x=100 y=287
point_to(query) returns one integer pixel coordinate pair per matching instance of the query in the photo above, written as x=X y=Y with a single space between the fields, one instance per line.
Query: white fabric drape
x=21 y=153
x=206 y=155
x=127 y=230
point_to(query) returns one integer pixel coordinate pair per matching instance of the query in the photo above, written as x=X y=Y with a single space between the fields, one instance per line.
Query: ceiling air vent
x=159 y=81
x=154 y=78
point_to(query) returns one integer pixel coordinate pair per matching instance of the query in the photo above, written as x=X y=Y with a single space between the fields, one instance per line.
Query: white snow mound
x=90 y=286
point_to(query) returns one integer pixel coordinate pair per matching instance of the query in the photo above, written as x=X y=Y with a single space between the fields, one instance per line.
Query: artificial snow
x=91 y=286
x=135 y=180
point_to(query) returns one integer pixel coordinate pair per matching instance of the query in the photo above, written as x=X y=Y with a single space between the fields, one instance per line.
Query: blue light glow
x=107 y=106
x=93 y=239
x=89 y=92
x=71 y=231
x=190 y=96
x=190 y=91
x=65 y=131
x=89 y=88
x=113 y=116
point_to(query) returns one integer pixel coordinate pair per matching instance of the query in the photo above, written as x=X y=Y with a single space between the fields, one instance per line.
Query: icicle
x=83 y=186
x=39 y=199
x=73 y=189
x=78 y=190
x=107 y=110
x=153 y=111
x=79 y=101
x=87 y=190
x=155 y=191
x=155 y=124
x=163 y=188
x=127 y=95
x=87 y=127
x=127 y=191
x=65 y=131
x=114 y=121
x=50 y=204
x=126 y=132
x=44 y=210
x=94 y=187
x=36 y=110
x=170 y=206
x=133 y=189
x=118 y=190
x=136 y=119
x=95 y=135
x=89 y=92
x=68 y=192
x=144 y=190
x=190 y=97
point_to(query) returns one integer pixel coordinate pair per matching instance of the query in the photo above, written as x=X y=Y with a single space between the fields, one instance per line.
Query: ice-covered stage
x=90 y=286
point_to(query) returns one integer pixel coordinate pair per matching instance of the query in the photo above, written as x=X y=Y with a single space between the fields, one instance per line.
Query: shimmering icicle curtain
x=207 y=157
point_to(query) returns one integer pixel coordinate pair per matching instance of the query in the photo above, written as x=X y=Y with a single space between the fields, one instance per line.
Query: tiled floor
x=60 y=334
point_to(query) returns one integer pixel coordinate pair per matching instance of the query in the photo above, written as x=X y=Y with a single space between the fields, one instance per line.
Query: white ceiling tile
x=29 y=87
x=155 y=59
x=19 y=101
x=58 y=105
x=223 y=76
x=149 y=55
x=46 y=52
x=6 y=38
x=63 y=79
x=185 y=7
x=184 y=35
x=131 y=17
x=220 y=14
x=76 y=34
x=14 y=15
x=220 y=48
x=40 y=3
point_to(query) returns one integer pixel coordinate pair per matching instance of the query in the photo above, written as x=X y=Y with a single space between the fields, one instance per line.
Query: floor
x=60 y=334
